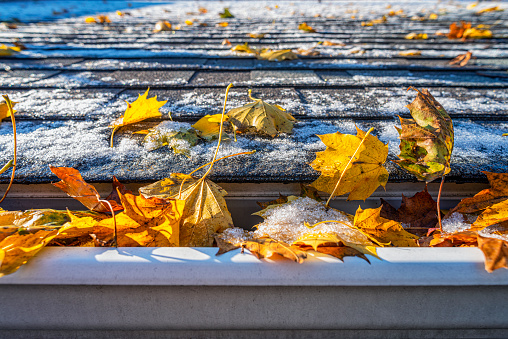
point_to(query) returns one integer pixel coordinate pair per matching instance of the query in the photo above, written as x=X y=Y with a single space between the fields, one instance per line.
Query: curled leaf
x=208 y=127
x=426 y=143
x=265 y=247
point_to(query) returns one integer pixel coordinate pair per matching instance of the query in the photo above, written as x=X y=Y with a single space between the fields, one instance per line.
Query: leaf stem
x=218 y=144
x=14 y=161
x=438 y=204
x=115 y=236
x=346 y=168
x=251 y=97
x=112 y=134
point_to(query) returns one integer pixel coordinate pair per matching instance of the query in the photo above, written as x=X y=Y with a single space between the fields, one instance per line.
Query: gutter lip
x=186 y=266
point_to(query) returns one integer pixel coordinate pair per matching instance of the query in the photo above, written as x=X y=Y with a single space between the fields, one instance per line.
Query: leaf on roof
x=461 y=60
x=276 y=55
x=172 y=134
x=358 y=159
x=426 y=143
x=162 y=26
x=410 y=53
x=244 y=48
x=139 y=110
x=477 y=33
x=8 y=50
x=226 y=14
x=208 y=126
x=261 y=118
x=416 y=36
x=490 y=9
x=256 y=35
x=5 y=112
x=306 y=28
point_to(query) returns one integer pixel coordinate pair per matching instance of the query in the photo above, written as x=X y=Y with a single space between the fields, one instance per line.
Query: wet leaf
x=276 y=55
x=205 y=211
x=495 y=252
x=139 y=110
x=306 y=28
x=383 y=230
x=73 y=184
x=180 y=137
x=362 y=176
x=208 y=127
x=426 y=143
x=226 y=14
x=261 y=118
x=265 y=247
x=419 y=211
x=462 y=59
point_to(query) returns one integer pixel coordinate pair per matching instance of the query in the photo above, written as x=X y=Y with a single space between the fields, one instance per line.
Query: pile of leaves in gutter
x=184 y=210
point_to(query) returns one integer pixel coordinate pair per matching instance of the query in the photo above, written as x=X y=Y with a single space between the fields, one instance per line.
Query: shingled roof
x=73 y=80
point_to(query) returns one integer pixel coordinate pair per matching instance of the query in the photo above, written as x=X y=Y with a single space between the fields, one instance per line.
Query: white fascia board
x=185 y=266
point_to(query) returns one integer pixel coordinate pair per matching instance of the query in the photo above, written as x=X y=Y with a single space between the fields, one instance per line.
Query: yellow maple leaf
x=261 y=117
x=205 y=211
x=244 y=48
x=208 y=127
x=276 y=55
x=477 y=33
x=306 y=28
x=383 y=230
x=139 y=110
x=357 y=159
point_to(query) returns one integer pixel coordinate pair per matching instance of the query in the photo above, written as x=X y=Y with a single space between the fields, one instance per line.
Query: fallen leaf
x=179 y=136
x=426 y=143
x=100 y=19
x=418 y=212
x=461 y=60
x=265 y=247
x=244 y=48
x=162 y=26
x=456 y=32
x=208 y=127
x=410 y=53
x=18 y=248
x=73 y=184
x=433 y=16
x=379 y=21
x=226 y=42
x=226 y=14
x=223 y=24
x=280 y=200
x=261 y=118
x=457 y=239
x=139 y=110
x=340 y=252
x=4 y=109
x=490 y=9
x=306 y=28
x=256 y=35
x=150 y=222
x=330 y=43
x=225 y=246
x=202 y=10
x=189 y=22
x=276 y=55
x=477 y=33
x=205 y=211
x=8 y=50
x=416 y=36
x=363 y=175
x=495 y=252
x=472 y=5
x=309 y=192
x=383 y=230
x=307 y=52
